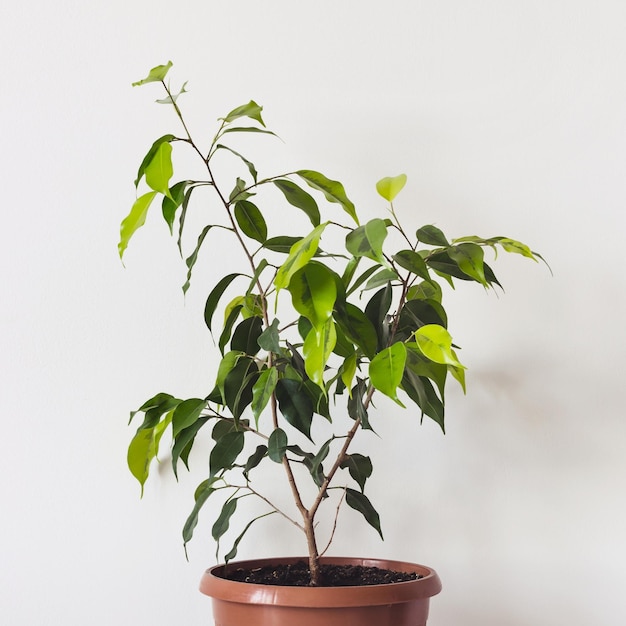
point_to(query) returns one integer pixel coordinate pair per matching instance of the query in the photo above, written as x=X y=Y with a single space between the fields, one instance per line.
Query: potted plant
x=318 y=323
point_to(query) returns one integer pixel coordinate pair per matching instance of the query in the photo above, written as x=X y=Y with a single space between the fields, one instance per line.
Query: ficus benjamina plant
x=311 y=331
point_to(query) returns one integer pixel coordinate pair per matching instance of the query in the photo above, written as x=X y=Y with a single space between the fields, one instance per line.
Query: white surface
x=508 y=117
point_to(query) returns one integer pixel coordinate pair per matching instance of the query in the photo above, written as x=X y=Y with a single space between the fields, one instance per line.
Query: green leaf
x=238 y=386
x=376 y=311
x=517 y=247
x=254 y=459
x=193 y=257
x=156 y=74
x=356 y=404
x=435 y=342
x=413 y=262
x=134 y=220
x=150 y=156
x=170 y=203
x=299 y=198
x=363 y=277
x=184 y=441
x=159 y=170
x=382 y=277
x=359 y=466
x=421 y=392
x=317 y=348
x=313 y=291
x=203 y=491
x=299 y=255
x=333 y=190
x=249 y=164
x=358 y=328
x=277 y=445
x=246 y=335
x=225 y=452
x=390 y=187
x=251 y=110
x=247 y=129
x=172 y=99
x=232 y=314
x=469 y=258
x=431 y=236
x=226 y=366
x=214 y=297
x=233 y=552
x=186 y=413
x=425 y=291
x=269 y=339
x=348 y=371
x=220 y=527
x=359 y=502
x=368 y=240
x=143 y=448
x=251 y=220
x=262 y=391
x=295 y=405
x=386 y=370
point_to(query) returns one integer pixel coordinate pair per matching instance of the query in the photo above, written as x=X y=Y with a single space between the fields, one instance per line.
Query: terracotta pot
x=397 y=604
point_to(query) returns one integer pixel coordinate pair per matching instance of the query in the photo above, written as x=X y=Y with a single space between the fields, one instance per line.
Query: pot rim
x=367 y=595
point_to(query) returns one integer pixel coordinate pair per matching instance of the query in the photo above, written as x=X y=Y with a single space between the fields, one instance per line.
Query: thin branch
x=332 y=534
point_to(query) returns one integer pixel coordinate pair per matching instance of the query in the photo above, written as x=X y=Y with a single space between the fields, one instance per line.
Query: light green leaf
x=333 y=190
x=150 y=155
x=381 y=278
x=435 y=342
x=299 y=255
x=386 y=370
x=469 y=258
x=348 y=372
x=314 y=292
x=368 y=240
x=251 y=110
x=134 y=220
x=317 y=348
x=262 y=391
x=390 y=187
x=155 y=75
x=300 y=199
x=186 y=413
x=159 y=170
x=172 y=99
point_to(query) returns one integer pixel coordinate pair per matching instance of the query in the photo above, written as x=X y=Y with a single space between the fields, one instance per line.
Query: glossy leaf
x=469 y=258
x=356 y=404
x=251 y=110
x=299 y=255
x=254 y=459
x=156 y=74
x=390 y=187
x=295 y=405
x=368 y=240
x=262 y=391
x=359 y=502
x=214 y=297
x=134 y=220
x=246 y=335
x=183 y=442
x=220 y=527
x=432 y=236
x=159 y=170
x=150 y=155
x=376 y=311
x=171 y=203
x=225 y=452
x=277 y=445
x=358 y=328
x=314 y=292
x=359 y=466
x=282 y=244
x=348 y=371
x=362 y=278
x=382 y=277
x=435 y=342
x=249 y=164
x=421 y=392
x=186 y=413
x=425 y=291
x=413 y=262
x=238 y=386
x=202 y=494
x=227 y=364
x=269 y=339
x=250 y=220
x=386 y=370
x=296 y=196
x=333 y=190
x=317 y=348
x=231 y=315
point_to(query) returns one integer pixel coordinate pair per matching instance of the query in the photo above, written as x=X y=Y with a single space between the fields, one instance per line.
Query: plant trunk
x=314 y=557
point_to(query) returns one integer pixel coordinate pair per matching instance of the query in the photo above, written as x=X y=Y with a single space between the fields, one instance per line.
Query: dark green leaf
x=247 y=129
x=251 y=220
x=220 y=527
x=299 y=198
x=254 y=459
x=421 y=392
x=269 y=339
x=191 y=260
x=249 y=164
x=246 y=335
x=263 y=390
x=362 y=278
x=239 y=384
x=368 y=240
x=431 y=236
x=356 y=404
x=227 y=329
x=214 y=297
x=295 y=405
x=359 y=502
x=358 y=328
x=170 y=204
x=233 y=552
x=277 y=445
x=203 y=491
x=413 y=262
x=184 y=441
x=359 y=466
x=418 y=313
x=376 y=311
x=381 y=278
x=225 y=452
x=281 y=244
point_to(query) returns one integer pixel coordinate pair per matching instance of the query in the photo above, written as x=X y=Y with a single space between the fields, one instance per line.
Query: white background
x=509 y=117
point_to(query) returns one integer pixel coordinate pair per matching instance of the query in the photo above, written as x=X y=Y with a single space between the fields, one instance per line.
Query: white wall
x=508 y=117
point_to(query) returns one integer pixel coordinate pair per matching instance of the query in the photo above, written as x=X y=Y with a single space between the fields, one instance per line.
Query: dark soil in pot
x=332 y=575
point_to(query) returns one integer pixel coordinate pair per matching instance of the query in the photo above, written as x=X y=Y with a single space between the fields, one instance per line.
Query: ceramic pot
x=397 y=604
